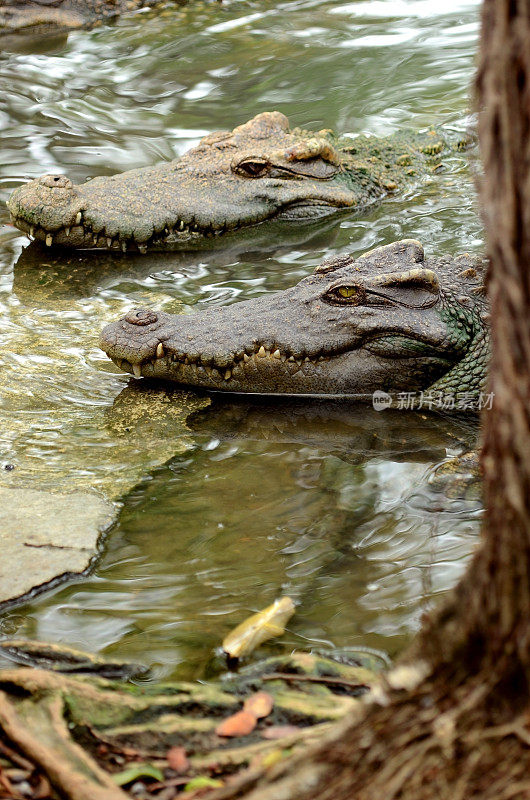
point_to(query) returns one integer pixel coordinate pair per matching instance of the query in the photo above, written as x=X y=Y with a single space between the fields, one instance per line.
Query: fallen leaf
x=177 y=759
x=280 y=731
x=138 y=771
x=273 y=758
x=202 y=782
x=240 y=724
x=259 y=704
x=258 y=628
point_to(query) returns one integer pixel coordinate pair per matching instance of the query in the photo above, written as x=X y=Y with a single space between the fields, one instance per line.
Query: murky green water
x=328 y=504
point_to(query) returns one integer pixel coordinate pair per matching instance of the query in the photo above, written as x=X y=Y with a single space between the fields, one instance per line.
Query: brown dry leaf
x=259 y=704
x=178 y=760
x=259 y=627
x=280 y=731
x=240 y=724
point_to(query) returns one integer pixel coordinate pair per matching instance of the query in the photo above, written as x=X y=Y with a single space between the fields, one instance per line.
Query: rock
x=45 y=535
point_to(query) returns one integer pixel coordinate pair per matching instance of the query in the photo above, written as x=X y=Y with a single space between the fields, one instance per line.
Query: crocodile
x=389 y=321
x=262 y=171
x=50 y=16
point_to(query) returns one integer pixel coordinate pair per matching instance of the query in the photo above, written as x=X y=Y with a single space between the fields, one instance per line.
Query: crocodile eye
x=348 y=291
x=252 y=167
x=352 y=295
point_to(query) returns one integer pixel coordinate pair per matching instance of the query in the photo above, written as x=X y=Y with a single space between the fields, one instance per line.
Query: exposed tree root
x=450 y=739
x=78 y=730
x=67 y=766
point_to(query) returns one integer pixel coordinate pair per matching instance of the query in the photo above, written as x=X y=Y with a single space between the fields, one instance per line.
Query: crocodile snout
x=47 y=208
x=141 y=317
x=55 y=182
x=135 y=338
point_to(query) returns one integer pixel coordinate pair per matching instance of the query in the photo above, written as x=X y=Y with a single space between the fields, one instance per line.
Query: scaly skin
x=47 y=16
x=388 y=321
x=260 y=171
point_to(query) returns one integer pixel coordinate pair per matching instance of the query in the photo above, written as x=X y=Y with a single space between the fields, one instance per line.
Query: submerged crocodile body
x=48 y=16
x=260 y=172
x=390 y=321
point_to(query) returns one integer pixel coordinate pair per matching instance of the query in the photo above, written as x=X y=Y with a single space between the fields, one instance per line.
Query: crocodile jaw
x=357 y=373
x=234 y=179
x=234 y=349
x=114 y=214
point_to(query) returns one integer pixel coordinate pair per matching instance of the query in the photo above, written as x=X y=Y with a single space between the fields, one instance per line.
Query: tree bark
x=453 y=720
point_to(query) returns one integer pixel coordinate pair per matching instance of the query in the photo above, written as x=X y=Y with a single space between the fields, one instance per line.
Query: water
x=330 y=505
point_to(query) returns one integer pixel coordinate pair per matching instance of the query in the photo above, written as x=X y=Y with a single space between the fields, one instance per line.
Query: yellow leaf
x=273 y=758
x=258 y=628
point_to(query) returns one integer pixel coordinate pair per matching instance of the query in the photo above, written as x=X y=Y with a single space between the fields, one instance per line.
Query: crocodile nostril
x=56 y=182
x=141 y=317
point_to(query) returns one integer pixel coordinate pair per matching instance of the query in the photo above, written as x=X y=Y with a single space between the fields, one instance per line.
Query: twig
x=128 y=752
x=17 y=759
x=6 y=784
x=291 y=677
x=154 y=787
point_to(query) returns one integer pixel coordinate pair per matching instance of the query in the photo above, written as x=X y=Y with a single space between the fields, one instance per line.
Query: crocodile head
x=259 y=171
x=57 y=15
x=383 y=321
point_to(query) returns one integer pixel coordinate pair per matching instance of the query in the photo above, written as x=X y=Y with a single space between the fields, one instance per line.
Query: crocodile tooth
x=137 y=371
x=228 y=374
x=246 y=358
x=276 y=354
x=67 y=231
x=291 y=358
x=306 y=359
x=124 y=246
x=31 y=230
x=262 y=352
x=78 y=218
x=181 y=225
x=49 y=240
x=142 y=248
x=109 y=241
x=299 y=361
x=95 y=238
x=159 y=350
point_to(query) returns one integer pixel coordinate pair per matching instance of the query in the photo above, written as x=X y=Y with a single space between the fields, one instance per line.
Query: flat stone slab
x=44 y=535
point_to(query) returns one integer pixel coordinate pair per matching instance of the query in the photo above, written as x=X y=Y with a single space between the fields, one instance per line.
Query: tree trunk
x=453 y=720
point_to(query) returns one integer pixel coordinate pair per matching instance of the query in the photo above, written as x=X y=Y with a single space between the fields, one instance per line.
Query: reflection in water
x=325 y=502
x=55 y=277
x=330 y=506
